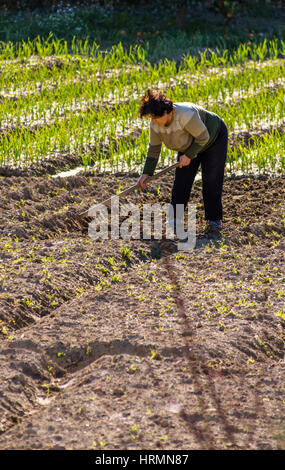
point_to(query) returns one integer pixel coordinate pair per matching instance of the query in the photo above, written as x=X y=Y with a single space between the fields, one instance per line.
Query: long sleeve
x=153 y=153
x=199 y=131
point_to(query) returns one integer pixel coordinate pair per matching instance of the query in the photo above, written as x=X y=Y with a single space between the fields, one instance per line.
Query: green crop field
x=56 y=99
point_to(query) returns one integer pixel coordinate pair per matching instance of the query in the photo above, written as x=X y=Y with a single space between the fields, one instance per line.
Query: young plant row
x=72 y=95
x=117 y=56
x=81 y=105
x=38 y=61
x=98 y=139
x=265 y=153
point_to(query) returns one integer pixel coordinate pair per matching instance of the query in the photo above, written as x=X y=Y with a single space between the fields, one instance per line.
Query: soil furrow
x=94 y=353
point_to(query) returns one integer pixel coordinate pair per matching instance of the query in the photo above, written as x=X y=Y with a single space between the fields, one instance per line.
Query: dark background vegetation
x=166 y=28
x=226 y=6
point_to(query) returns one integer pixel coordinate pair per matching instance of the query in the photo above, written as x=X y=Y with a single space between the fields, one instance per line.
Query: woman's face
x=162 y=120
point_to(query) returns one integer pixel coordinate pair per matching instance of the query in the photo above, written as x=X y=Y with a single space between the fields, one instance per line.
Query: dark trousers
x=212 y=163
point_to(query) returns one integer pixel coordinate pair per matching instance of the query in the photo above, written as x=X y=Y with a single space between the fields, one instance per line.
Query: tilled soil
x=116 y=344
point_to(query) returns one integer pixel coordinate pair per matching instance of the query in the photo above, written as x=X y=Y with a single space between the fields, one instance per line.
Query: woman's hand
x=143 y=180
x=184 y=161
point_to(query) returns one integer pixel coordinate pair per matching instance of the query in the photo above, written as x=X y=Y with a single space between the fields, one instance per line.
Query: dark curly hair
x=154 y=103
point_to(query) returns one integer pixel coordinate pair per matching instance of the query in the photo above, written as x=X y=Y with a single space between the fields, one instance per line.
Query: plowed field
x=135 y=345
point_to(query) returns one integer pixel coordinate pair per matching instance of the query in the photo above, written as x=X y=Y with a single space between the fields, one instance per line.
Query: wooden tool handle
x=131 y=189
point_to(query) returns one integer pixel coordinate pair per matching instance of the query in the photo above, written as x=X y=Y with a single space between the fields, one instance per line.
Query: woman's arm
x=200 y=134
x=151 y=159
x=153 y=153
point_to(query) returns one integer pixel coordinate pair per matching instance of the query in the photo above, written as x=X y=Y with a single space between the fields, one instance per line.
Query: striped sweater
x=192 y=130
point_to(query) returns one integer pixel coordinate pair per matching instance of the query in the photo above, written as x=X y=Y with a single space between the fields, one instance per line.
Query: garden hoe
x=83 y=218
